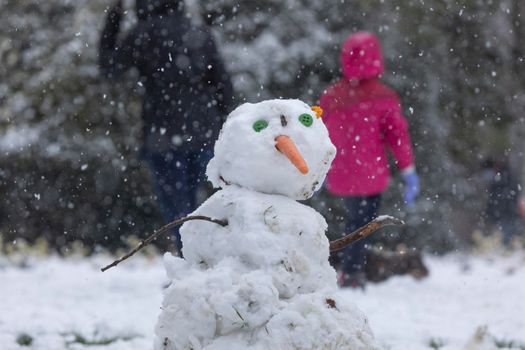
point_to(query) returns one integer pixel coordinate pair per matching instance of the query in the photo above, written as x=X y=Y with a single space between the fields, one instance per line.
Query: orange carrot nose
x=286 y=146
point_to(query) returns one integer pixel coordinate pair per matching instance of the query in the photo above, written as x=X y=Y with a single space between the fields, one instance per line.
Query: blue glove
x=411 y=187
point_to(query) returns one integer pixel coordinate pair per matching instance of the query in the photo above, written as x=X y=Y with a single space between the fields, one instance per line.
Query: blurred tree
x=455 y=63
x=68 y=149
x=68 y=168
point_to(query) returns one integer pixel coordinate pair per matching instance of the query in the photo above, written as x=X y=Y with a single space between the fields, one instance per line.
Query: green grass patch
x=77 y=338
x=24 y=339
x=508 y=344
x=436 y=343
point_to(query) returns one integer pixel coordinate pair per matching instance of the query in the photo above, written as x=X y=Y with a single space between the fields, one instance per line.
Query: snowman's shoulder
x=216 y=206
x=255 y=204
x=229 y=200
x=225 y=197
x=240 y=202
x=257 y=200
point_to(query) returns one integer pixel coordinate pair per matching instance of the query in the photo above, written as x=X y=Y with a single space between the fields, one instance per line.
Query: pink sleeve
x=395 y=130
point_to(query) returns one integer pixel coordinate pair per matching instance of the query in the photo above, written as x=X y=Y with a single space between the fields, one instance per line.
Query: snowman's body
x=263 y=281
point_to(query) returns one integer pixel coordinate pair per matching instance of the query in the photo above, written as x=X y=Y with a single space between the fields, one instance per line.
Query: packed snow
x=53 y=300
x=262 y=282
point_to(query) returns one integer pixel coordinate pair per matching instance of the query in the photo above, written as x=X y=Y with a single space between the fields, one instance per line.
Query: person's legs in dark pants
x=177 y=176
x=170 y=176
x=360 y=211
x=508 y=228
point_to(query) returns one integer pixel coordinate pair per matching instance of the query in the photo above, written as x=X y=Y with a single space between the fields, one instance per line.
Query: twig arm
x=161 y=231
x=364 y=231
x=336 y=245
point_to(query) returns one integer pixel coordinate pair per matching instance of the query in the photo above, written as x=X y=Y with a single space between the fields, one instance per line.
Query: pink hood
x=361 y=57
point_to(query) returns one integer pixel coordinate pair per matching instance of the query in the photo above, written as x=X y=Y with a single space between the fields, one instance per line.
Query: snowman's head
x=275 y=147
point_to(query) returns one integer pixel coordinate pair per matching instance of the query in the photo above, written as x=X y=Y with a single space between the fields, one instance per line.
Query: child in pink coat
x=364 y=119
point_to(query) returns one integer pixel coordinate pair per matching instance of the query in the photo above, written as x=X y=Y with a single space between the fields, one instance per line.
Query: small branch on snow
x=364 y=231
x=161 y=231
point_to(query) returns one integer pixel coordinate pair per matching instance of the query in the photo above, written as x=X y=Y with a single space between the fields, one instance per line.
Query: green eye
x=306 y=119
x=260 y=125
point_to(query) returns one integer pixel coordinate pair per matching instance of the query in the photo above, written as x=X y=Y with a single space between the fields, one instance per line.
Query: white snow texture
x=263 y=281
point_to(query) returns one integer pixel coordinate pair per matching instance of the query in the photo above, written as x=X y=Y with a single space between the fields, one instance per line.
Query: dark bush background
x=70 y=166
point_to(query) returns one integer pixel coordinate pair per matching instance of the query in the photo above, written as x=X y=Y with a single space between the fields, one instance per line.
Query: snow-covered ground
x=69 y=304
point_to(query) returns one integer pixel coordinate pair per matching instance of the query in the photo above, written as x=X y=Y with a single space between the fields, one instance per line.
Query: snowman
x=263 y=281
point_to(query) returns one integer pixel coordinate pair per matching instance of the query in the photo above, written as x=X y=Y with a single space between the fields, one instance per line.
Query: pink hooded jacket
x=364 y=119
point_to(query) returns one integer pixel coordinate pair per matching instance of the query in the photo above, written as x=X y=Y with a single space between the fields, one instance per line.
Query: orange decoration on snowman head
x=318 y=111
